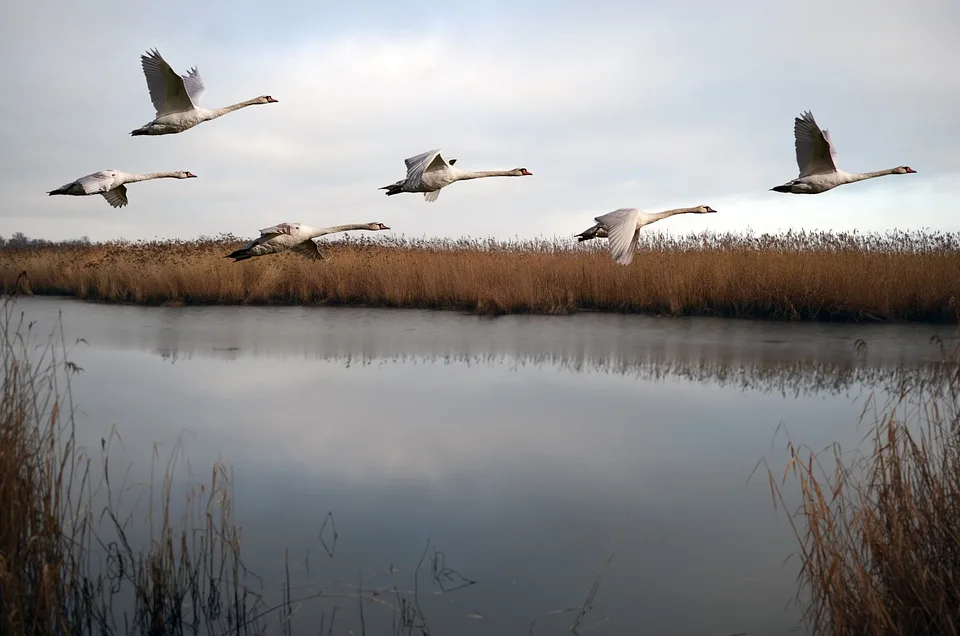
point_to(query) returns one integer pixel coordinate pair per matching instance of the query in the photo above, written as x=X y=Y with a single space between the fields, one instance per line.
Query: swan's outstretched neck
x=220 y=112
x=133 y=178
x=463 y=175
x=656 y=216
x=345 y=228
x=860 y=176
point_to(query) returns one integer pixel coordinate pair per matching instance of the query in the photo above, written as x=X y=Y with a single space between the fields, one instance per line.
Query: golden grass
x=880 y=530
x=794 y=276
x=67 y=565
x=73 y=560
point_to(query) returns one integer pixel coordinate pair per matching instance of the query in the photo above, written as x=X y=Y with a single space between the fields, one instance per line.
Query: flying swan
x=622 y=228
x=429 y=172
x=817 y=160
x=110 y=184
x=177 y=98
x=296 y=237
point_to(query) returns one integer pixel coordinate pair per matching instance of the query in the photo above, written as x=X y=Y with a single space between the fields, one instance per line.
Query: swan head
x=904 y=170
x=266 y=99
x=186 y=174
x=521 y=172
x=377 y=225
x=704 y=209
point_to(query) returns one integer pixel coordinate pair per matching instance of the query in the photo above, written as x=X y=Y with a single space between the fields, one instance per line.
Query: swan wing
x=117 y=197
x=815 y=153
x=97 y=181
x=167 y=91
x=193 y=83
x=310 y=248
x=281 y=228
x=419 y=165
x=622 y=233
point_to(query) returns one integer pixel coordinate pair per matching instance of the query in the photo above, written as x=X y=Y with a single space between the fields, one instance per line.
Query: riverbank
x=792 y=276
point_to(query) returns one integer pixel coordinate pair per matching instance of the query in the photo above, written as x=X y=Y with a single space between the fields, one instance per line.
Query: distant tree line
x=20 y=240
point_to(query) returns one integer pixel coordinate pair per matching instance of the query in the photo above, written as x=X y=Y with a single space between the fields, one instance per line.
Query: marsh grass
x=879 y=528
x=77 y=557
x=67 y=564
x=790 y=276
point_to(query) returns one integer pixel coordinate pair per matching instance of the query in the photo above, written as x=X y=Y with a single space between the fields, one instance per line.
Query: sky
x=641 y=104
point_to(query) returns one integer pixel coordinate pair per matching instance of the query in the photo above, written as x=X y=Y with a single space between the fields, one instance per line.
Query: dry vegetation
x=64 y=560
x=880 y=528
x=69 y=562
x=794 y=276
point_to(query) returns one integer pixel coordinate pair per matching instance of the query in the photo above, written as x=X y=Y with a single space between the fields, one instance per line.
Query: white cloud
x=607 y=106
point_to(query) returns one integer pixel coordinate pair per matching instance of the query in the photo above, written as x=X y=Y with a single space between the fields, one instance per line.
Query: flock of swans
x=176 y=99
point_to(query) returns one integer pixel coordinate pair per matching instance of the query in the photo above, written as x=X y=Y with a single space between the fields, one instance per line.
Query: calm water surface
x=526 y=449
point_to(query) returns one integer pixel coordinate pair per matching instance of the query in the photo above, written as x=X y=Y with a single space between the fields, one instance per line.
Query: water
x=526 y=449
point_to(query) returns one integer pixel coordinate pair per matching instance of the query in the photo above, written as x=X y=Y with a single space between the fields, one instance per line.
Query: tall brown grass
x=796 y=275
x=74 y=559
x=66 y=557
x=879 y=528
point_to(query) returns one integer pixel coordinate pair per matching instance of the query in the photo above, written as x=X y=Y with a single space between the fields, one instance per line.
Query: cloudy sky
x=641 y=104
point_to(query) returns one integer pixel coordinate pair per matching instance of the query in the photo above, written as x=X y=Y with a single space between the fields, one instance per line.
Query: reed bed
x=879 y=528
x=67 y=564
x=77 y=558
x=896 y=276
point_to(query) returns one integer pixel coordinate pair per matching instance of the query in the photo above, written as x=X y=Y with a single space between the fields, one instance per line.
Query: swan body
x=111 y=184
x=428 y=172
x=622 y=228
x=297 y=237
x=177 y=98
x=817 y=160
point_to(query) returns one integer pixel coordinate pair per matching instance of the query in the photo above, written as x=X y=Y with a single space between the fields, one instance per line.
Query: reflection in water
x=789 y=359
x=528 y=449
x=788 y=378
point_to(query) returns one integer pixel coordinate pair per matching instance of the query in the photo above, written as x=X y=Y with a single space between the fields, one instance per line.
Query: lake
x=527 y=450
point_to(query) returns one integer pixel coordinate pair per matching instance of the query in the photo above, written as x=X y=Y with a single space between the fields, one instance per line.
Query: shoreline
x=561 y=313
x=841 y=278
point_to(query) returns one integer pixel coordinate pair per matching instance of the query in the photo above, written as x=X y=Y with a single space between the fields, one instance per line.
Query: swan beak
x=911 y=171
x=526 y=172
x=271 y=100
x=191 y=175
x=385 y=227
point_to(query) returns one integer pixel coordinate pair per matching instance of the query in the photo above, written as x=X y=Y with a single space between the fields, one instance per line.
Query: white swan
x=296 y=237
x=177 y=98
x=817 y=160
x=622 y=228
x=110 y=184
x=429 y=172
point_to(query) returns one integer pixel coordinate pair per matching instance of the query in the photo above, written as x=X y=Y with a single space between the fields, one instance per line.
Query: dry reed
x=793 y=276
x=74 y=561
x=879 y=529
x=65 y=560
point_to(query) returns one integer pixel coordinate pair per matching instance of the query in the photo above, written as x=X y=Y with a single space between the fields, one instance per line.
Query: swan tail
x=393 y=188
x=240 y=255
x=787 y=187
x=139 y=131
x=70 y=188
x=588 y=234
